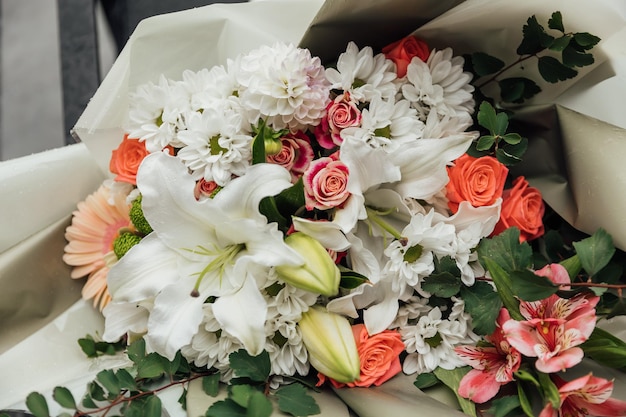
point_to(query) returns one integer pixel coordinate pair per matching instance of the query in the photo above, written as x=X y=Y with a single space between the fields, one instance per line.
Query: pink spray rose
x=342 y=112
x=295 y=155
x=326 y=183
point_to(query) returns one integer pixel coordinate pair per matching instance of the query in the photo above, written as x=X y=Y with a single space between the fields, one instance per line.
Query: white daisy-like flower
x=290 y=302
x=411 y=310
x=288 y=355
x=439 y=85
x=284 y=85
x=439 y=126
x=412 y=258
x=215 y=148
x=363 y=74
x=157 y=112
x=385 y=124
x=208 y=88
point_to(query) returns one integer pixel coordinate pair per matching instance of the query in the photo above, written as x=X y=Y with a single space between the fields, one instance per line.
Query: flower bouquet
x=361 y=218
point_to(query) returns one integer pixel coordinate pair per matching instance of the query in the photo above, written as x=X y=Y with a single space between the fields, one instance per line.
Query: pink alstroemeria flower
x=554 y=327
x=584 y=396
x=493 y=366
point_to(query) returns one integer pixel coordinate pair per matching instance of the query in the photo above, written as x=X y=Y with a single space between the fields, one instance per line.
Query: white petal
x=327 y=233
x=368 y=166
x=243 y=314
x=123 y=318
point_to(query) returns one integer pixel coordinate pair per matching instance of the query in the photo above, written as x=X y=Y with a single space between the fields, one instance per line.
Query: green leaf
x=512 y=138
x=152 y=407
x=517 y=89
x=586 y=39
x=605 y=348
x=572 y=265
x=241 y=394
x=151 y=366
x=126 y=380
x=556 y=22
x=136 y=350
x=524 y=375
x=107 y=379
x=483 y=304
x=96 y=391
x=211 y=384
x=426 y=380
x=507 y=251
x=501 y=407
x=269 y=209
x=64 y=397
x=524 y=401
x=554 y=71
x=226 y=408
x=561 y=43
x=549 y=389
x=502 y=282
x=573 y=58
x=88 y=402
x=291 y=199
x=351 y=279
x=595 y=252
x=452 y=379
x=37 y=405
x=484 y=64
x=511 y=154
x=294 y=399
x=88 y=346
x=535 y=39
x=485 y=142
x=487 y=117
x=531 y=287
x=259 y=405
x=442 y=284
x=257 y=368
x=182 y=400
x=258 y=144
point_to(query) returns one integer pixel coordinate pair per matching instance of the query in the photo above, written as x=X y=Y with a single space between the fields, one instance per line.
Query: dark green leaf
x=452 y=379
x=512 y=138
x=64 y=397
x=586 y=39
x=107 y=379
x=517 y=89
x=483 y=304
x=506 y=158
x=507 y=251
x=152 y=407
x=257 y=368
x=595 y=252
x=37 y=405
x=605 y=348
x=560 y=43
x=134 y=408
x=485 y=142
x=241 y=394
x=96 y=391
x=151 y=366
x=211 y=384
x=259 y=405
x=573 y=58
x=502 y=123
x=182 y=400
x=524 y=375
x=531 y=287
x=226 y=408
x=484 y=64
x=556 y=22
x=351 y=279
x=291 y=199
x=442 y=284
x=88 y=402
x=269 y=209
x=126 y=380
x=553 y=71
x=294 y=399
x=487 y=117
x=549 y=389
x=535 y=38
x=426 y=380
x=258 y=144
x=88 y=346
x=524 y=402
x=137 y=350
x=501 y=407
x=502 y=282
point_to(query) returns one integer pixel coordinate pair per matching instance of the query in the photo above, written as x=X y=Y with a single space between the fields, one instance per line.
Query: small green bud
x=272 y=146
x=124 y=242
x=318 y=274
x=137 y=218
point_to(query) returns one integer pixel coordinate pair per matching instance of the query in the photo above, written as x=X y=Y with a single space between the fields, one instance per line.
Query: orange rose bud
x=522 y=207
x=403 y=51
x=125 y=160
x=479 y=181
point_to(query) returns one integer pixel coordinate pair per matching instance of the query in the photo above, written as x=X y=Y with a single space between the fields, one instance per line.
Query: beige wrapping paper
x=581 y=179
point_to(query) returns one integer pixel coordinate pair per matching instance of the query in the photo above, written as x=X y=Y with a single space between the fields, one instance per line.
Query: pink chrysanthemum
x=95 y=226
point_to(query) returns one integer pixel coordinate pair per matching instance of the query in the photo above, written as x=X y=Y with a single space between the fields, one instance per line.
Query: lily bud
x=330 y=342
x=319 y=274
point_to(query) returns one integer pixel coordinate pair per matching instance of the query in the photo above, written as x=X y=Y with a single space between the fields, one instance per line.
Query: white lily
x=199 y=249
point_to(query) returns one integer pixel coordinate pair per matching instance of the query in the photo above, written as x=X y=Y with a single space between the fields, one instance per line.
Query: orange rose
x=125 y=160
x=403 y=51
x=479 y=181
x=522 y=207
x=379 y=355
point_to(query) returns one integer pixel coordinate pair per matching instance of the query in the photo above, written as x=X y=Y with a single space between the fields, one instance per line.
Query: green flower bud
x=319 y=274
x=272 y=146
x=137 y=218
x=330 y=342
x=124 y=242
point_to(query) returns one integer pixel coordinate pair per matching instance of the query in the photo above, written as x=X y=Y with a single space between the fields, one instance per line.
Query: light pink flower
x=295 y=155
x=587 y=395
x=493 y=366
x=325 y=183
x=204 y=188
x=342 y=112
x=554 y=327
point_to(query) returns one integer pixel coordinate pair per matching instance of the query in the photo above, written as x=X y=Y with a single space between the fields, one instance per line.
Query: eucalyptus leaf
x=483 y=304
x=37 y=405
x=595 y=252
x=64 y=397
x=554 y=71
x=257 y=368
x=294 y=399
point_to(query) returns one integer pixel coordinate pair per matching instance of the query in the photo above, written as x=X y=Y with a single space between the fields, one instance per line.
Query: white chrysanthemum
x=284 y=85
x=209 y=88
x=430 y=343
x=215 y=148
x=412 y=259
x=290 y=302
x=157 y=112
x=385 y=124
x=439 y=126
x=288 y=354
x=410 y=310
x=439 y=85
x=363 y=75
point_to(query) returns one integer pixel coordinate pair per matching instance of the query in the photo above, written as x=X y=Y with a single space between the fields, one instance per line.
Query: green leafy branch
x=557 y=57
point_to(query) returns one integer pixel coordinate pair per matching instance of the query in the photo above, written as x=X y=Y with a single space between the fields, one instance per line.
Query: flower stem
x=375 y=217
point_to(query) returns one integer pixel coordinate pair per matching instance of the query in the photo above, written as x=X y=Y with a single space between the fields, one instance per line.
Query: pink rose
x=295 y=155
x=325 y=184
x=403 y=51
x=204 y=188
x=342 y=112
x=379 y=355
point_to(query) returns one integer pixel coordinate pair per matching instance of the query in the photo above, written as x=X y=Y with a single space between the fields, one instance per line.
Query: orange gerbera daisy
x=95 y=226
